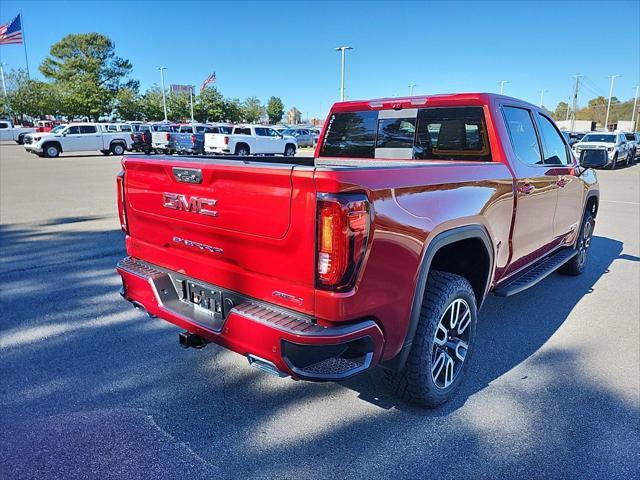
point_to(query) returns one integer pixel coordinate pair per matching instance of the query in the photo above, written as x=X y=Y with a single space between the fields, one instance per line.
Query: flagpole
x=24 y=44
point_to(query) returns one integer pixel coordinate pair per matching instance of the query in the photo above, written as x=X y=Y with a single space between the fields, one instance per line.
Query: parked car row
x=186 y=138
x=621 y=147
x=10 y=132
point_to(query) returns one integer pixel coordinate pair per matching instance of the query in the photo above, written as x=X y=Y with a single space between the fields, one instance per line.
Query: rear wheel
x=290 y=150
x=576 y=265
x=51 y=150
x=242 y=150
x=117 y=149
x=443 y=343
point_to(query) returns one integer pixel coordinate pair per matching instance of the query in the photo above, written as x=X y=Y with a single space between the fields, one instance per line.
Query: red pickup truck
x=380 y=250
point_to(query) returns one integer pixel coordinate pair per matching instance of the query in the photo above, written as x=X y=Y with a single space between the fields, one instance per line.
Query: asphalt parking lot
x=91 y=388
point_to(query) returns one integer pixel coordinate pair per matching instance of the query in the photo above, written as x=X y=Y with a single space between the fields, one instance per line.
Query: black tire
x=415 y=382
x=614 y=162
x=117 y=148
x=51 y=150
x=242 y=150
x=20 y=140
x=577 y=264
x=105 y=152
x=290 y=150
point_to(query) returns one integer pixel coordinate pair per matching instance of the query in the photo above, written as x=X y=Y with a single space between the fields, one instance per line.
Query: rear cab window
x=433 y=133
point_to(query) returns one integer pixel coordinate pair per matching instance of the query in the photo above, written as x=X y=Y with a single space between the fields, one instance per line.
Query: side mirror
x=594 y=158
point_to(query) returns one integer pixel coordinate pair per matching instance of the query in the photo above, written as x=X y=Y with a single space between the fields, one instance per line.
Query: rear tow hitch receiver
x=188 y=339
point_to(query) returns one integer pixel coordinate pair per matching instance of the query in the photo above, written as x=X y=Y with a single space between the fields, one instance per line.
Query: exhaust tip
x=266 y=366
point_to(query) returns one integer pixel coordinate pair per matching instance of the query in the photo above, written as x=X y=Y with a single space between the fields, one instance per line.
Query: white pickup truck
x=78 y=137
x=9 y=132
x=250 y=140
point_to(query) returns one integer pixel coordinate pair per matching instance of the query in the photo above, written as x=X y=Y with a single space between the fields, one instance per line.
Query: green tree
x=232 y=110
x=86 y=67
x=275 y=109
x=560 y=112
x=128 y=105
x=33 y=98
x=210 y=106
x=251 y=110
x=151 y=104
x=179 y=106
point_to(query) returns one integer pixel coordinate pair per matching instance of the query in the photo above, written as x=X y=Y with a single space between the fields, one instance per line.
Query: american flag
x=210 y=79
x=11 y=32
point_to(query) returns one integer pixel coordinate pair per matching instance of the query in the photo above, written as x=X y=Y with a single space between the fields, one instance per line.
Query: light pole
x=502 y=82
x=164 y=95
x=4 y=86
x=542 y=97
x=342 y=50
x=633 y=114
x=606 y=120
x=411 y=87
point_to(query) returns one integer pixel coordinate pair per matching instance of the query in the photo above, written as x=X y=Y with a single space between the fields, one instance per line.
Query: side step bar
x=532 y=275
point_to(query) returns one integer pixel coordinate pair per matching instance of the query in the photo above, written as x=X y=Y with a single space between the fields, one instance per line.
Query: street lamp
x=4 y=86
x=342 y=49
x=606 y=120
x=164 y=97
x=411 y=87
x=502 y=82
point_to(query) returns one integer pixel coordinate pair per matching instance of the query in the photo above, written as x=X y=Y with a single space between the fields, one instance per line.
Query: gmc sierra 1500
x=378 y=251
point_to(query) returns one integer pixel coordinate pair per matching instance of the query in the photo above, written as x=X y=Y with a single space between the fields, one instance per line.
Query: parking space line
x=619 y=201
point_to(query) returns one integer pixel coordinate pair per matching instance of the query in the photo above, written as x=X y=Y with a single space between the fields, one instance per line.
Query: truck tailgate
x=246 y=226
x=214 y=140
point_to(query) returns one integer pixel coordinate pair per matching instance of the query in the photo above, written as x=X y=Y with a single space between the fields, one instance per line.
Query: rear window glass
x=351 y=134
x=396 y=133
x=457 y=133
x=144 y=128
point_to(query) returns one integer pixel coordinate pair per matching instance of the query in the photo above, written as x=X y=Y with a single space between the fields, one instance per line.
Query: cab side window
x=74 y=130
x=554 y=148
x=523 y=135
x=87 y=129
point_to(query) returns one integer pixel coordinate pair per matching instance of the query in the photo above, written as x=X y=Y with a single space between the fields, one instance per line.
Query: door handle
x=527 y=188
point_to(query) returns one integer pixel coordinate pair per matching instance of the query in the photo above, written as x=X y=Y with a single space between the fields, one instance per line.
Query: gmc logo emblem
x=203 y=206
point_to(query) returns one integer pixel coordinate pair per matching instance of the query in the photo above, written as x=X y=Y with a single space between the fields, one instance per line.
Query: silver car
x=302 y=135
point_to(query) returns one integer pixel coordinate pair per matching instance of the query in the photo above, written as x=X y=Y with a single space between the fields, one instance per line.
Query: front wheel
x=51 y=150
x=614 y=162
x=576 y=265
x=443 y=343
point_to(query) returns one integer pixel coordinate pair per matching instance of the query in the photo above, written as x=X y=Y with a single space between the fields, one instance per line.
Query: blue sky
x=287 y=48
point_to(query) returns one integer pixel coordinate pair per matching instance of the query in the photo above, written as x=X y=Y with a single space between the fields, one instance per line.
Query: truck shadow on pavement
x=92 y=388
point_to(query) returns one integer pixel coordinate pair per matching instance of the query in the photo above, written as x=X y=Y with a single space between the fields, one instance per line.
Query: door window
x=262 y=132
x=523 y=135
x=4 y=125
x=74 y=130
x=554 y=148
x=241 y=131
x=273 y=133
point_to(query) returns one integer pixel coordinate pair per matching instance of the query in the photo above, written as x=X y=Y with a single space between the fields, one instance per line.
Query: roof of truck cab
x=440 y=100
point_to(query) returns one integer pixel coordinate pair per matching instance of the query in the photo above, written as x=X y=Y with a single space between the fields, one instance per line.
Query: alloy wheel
x=585 y=242
x=450 y=343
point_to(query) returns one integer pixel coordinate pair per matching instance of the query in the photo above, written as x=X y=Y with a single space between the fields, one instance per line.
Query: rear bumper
x=219 y=150
x=293 y=342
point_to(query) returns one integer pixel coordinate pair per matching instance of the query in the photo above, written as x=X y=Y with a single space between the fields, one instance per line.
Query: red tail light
x=193 y=139
x=122 y=212
x=226 y=140
x=168 y=136
x=343 y=232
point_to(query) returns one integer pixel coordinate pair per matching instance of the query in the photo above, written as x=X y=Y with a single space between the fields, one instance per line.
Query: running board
x=532 y=275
